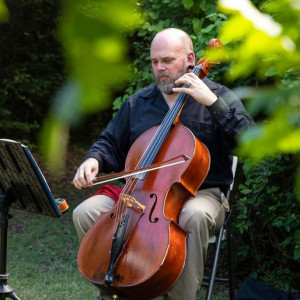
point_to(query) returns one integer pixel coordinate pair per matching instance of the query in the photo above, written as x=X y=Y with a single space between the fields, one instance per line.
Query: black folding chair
x=224 y=233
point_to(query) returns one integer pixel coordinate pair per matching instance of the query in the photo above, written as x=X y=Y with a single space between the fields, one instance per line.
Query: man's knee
x=86 y=213
x=79 y=213
x=197 y=215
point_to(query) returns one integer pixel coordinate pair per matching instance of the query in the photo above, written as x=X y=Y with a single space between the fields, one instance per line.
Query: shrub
x=267 y=222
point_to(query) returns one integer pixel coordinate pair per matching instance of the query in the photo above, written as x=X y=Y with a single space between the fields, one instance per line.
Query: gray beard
x=166 y=88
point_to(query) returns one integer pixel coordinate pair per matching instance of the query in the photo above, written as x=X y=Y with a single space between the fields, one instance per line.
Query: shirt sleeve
x=113 y=143
x=230 y=116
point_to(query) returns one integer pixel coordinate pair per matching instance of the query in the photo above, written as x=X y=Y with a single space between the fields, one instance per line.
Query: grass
x=42 y=259
x=42 y=250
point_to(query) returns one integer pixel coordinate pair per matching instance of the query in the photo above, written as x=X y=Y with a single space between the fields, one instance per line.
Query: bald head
x=173 y=37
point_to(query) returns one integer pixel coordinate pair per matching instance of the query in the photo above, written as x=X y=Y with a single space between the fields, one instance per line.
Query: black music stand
x=23 y=187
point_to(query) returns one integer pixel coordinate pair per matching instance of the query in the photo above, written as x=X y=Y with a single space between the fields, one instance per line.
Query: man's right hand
x=85 y=173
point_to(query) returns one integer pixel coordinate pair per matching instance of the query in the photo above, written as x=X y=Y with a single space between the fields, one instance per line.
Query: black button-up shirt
x=216 y=126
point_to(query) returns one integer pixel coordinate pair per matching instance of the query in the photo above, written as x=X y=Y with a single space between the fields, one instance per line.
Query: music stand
x=23 y=187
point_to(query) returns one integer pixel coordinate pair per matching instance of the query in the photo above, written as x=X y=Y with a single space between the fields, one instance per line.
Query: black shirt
x=216 y=126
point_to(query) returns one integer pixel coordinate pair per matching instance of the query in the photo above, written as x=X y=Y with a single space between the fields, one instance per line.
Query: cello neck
x=164 y=128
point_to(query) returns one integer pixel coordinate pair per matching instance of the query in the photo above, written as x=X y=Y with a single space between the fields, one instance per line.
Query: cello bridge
x=129 y=201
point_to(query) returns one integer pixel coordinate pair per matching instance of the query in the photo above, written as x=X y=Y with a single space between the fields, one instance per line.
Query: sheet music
x=20 y=173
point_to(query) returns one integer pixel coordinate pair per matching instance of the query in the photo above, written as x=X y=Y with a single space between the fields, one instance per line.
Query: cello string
x=149 y=154
x=164 y=127
x=121 y=205
x=168 y=121
x=163 y=130
x=152 y=148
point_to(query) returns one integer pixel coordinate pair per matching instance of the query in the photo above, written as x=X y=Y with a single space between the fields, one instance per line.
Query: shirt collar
x=150 y=92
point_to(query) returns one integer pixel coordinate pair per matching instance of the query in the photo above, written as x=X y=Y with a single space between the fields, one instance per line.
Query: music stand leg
x=5 y=290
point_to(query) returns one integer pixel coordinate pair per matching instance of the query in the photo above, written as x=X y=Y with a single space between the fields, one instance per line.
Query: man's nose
x=161 y=66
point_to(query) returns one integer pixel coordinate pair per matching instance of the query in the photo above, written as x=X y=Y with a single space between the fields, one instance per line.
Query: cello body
x=152 y=246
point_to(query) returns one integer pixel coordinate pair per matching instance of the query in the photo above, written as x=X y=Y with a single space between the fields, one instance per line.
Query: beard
x=166 y=85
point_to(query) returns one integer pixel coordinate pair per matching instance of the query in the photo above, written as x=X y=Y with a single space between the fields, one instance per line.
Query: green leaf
x=154 y=15
x=187 y=3
x=4 y=14
x=197 y=25
x=207 y=29
x=296 y=255
x=246 y=191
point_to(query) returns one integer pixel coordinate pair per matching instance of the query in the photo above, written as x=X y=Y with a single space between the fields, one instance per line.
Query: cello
x=137 y=250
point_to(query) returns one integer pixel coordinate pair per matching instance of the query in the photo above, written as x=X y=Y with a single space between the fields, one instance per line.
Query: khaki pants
x=200 y=217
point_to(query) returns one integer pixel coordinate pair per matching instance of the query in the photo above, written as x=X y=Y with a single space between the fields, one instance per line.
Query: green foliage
x=92 y=33
x=268 y=46
x=200 y=19
x=264 y=41
x=268 y=219
x=31 y=67
x=281 y=104
x=3 y=11
x=261 y=44
x=93 y=37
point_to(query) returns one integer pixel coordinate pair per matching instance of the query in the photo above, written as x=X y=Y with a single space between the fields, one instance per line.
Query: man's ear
x=191 y=58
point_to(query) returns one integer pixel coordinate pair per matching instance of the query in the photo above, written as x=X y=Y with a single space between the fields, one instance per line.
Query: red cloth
x=110 y=191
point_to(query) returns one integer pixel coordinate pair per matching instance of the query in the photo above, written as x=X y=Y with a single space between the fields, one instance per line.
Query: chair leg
x=229 y=238
x=214 y=265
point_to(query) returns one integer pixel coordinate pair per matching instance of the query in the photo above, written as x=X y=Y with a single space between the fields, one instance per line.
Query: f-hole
x=155 y=220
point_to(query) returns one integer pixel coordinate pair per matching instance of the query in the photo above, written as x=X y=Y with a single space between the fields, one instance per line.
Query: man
x=214 y=115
